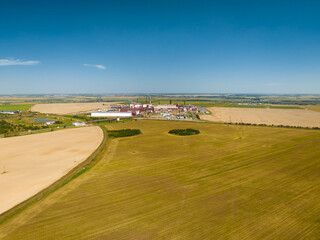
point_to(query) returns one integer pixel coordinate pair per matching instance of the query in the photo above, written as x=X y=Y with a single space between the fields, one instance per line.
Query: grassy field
x=228 y=182
x=23 y=122
x=15 y=107
x=314 y=108
x=217 y=103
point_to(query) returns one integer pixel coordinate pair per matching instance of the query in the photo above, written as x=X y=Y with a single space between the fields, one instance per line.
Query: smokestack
x=150 y=100
x=146 y=100
x=137 y=100
x=170 y=101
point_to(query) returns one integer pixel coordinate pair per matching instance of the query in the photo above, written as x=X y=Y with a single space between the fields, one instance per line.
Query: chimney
x=170 y=101
x=137 y=100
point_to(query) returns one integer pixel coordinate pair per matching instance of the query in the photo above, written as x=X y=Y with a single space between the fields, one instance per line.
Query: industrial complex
x=148 y=110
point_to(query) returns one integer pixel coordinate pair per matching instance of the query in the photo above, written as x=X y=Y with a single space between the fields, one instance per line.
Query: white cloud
x=95 y=66
x=11 y=62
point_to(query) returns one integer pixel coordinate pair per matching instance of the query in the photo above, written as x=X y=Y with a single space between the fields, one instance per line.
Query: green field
x=228 y=182
x=15 y=107
x=216 y=103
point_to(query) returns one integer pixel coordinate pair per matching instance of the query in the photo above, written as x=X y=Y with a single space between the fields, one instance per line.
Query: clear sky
x=159 y=46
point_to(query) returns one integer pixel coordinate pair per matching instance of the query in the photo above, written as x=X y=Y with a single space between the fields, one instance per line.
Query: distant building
x=111 y=114
x=165 y=107
x=115 y=106
x=43 y=120
x=78 y=124
x=10 y=112
x=181 y=116
x=136 y=105
x=134 y=111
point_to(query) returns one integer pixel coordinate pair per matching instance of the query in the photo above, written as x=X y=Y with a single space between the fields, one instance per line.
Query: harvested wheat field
x=287 y=117
x=228 y=182
x=68 y=108
x=33 y=162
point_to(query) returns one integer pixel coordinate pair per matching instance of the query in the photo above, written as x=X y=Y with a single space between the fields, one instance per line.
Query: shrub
x=184 y=132
x=123 y=133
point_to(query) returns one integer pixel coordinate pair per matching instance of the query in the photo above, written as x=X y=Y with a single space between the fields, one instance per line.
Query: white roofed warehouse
x=111 y=114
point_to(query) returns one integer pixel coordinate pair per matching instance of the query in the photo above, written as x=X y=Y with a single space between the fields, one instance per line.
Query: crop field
x=314 y=108
x=68 y=108
x=217 y=103
x=287 y=117
x=228 y=182
x=15 y=107
x=30 y=163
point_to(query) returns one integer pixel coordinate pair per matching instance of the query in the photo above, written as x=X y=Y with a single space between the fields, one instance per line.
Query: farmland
x=68 y=108
x=314 y=108
x=15 y=107
x=286 y=117
x=228 y=182
x=31 y=163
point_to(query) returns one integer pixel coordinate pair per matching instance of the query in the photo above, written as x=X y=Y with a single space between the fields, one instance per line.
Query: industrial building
x=79 y=124
x=10 y=112
x=167 y=111
x=165 y=107
x=111 y=114
x=43 y=120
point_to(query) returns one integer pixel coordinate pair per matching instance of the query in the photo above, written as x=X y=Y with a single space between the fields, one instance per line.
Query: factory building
x=111 y=114
x=134 y=111
x=43 y=120
x=10 y=112
x=136 y=105
x=78 y=124
x=165 y=107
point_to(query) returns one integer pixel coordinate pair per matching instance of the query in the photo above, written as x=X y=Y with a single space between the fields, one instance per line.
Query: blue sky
x=159 y=46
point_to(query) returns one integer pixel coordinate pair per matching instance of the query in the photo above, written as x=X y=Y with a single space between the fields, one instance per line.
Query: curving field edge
x=73 y=173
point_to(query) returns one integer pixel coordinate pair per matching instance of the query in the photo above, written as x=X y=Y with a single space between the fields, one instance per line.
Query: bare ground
x=288 y=117
x=68 y=108
x=31 y=163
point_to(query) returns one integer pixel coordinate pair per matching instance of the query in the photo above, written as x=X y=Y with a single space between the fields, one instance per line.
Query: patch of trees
x=6 y=128
x=272 y=125
x=184 y=132
x=82 y=117
x=123 y=133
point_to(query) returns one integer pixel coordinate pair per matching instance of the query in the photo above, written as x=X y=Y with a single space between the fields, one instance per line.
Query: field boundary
x=261 y=125
x=72 y=174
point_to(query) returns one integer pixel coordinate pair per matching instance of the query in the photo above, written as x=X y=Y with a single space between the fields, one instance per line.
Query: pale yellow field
x=288 y=117
x=68 y=108
x=34 y=162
